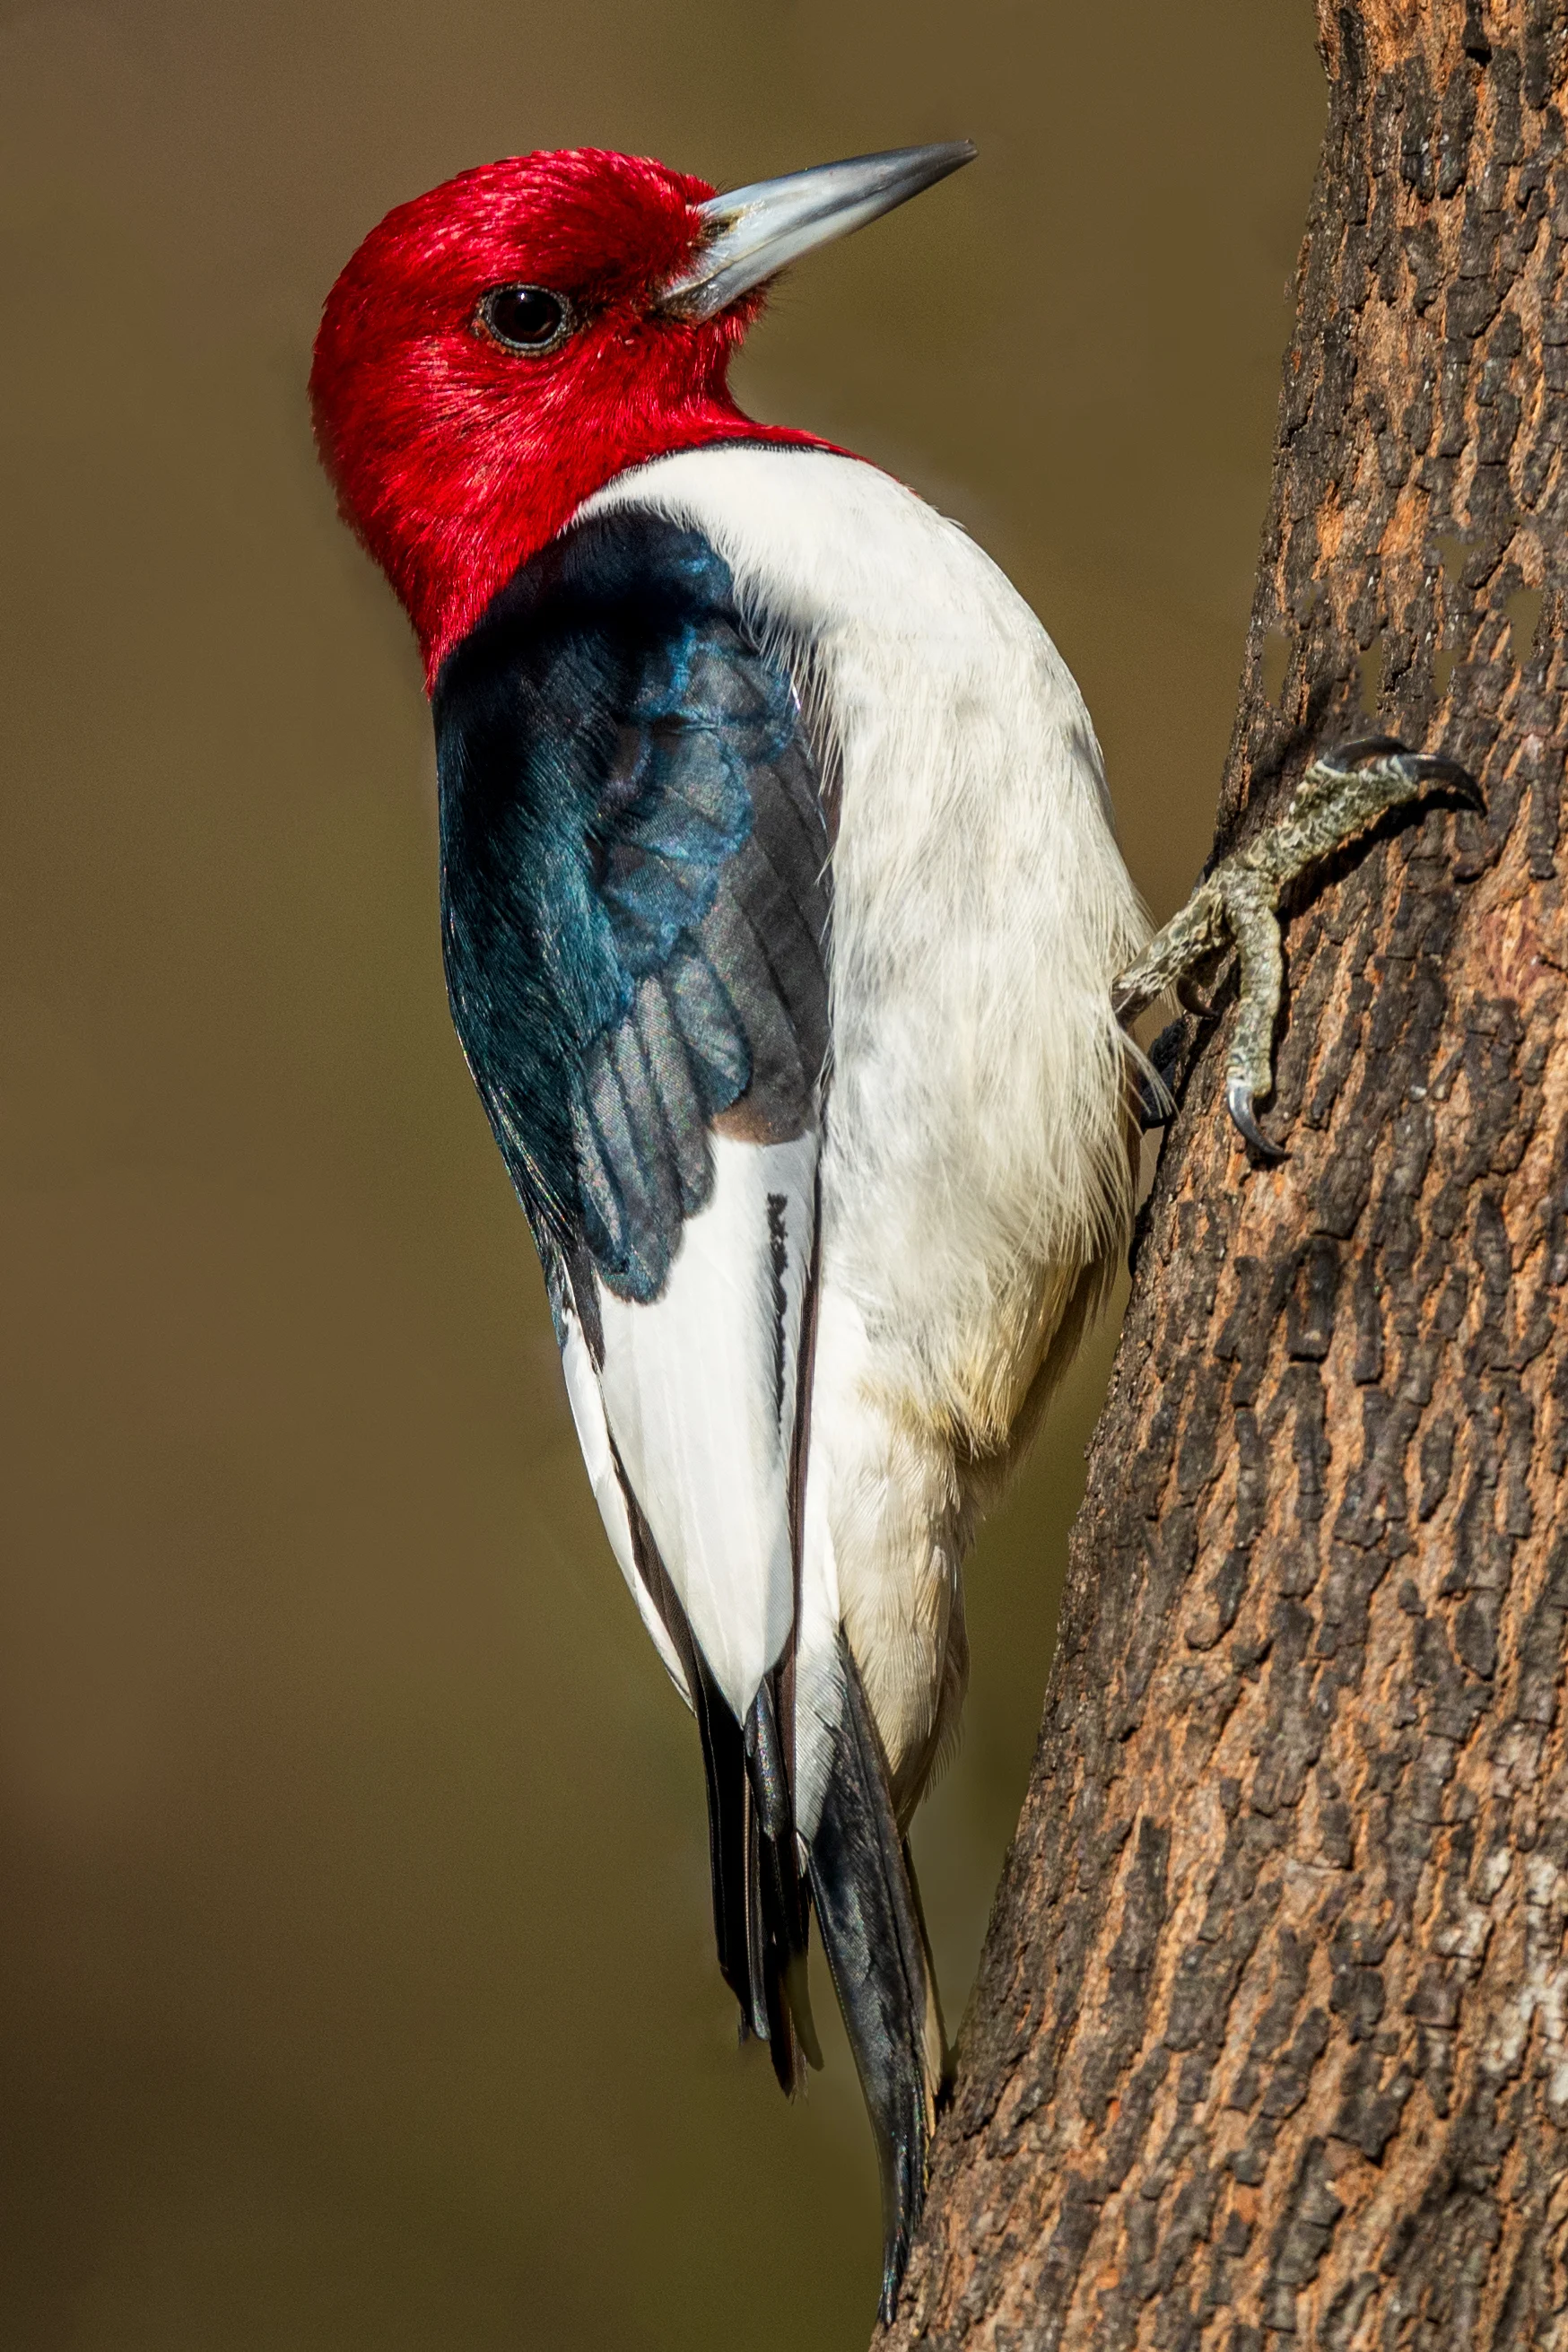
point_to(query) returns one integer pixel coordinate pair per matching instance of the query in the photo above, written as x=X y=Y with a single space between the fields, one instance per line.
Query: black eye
x=525 y=317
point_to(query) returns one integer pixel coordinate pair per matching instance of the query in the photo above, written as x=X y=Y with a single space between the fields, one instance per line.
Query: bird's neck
x=450 y=542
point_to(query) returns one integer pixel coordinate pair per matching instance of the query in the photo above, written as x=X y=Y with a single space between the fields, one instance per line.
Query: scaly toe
x=1342 y=795
x=1385 y=758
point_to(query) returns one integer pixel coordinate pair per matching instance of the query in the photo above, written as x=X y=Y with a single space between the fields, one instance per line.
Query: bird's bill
x=756 y=231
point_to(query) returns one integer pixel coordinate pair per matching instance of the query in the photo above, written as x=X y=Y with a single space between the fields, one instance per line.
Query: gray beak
x=757 y=230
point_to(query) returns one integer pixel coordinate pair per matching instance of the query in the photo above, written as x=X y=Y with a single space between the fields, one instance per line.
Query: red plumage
x=454 y=458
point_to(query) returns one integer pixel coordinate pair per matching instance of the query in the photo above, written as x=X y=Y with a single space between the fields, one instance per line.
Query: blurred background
x=356 y=1984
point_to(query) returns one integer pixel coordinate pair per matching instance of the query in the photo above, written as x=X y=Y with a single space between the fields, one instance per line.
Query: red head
x=498 y=349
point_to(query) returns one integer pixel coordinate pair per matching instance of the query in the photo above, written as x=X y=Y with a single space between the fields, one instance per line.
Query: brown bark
x=1271 y=2038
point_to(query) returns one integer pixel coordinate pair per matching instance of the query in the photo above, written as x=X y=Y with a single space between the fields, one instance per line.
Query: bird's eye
x=525 y=317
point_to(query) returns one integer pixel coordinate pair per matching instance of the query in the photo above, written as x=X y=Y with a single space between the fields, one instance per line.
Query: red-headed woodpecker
x=780 y=908
x=781 y=911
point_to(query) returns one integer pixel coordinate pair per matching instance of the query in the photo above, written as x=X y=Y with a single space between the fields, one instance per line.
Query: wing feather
x=699 y=1393
x=636 y=936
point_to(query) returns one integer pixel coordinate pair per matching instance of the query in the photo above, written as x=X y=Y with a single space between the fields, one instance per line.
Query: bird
x=782 y=915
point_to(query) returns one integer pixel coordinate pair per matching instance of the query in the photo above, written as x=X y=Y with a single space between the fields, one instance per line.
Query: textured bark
x=1271 y=2038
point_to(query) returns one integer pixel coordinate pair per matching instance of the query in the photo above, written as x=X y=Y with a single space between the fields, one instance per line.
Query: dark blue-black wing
x=636 y=909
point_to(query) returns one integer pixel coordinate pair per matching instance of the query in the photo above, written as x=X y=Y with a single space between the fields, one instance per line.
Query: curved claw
x=1421 y=767
x=1238 y=1101
x=1433 y=767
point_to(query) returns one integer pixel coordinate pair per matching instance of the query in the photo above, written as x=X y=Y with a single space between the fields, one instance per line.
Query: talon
x=1416 y=767
x=1435 y=767
x=1238 y=1100
x=1345 y=757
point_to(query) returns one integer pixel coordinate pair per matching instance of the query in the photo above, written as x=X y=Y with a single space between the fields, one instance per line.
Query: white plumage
x=702 y=1404
x=975 y=1178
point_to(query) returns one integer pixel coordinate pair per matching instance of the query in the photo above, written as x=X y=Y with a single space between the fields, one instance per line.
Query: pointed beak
x=749 y=235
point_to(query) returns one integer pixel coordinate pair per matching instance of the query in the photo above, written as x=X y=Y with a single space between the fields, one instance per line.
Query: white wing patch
x=594 y=1437
x=700 y=1392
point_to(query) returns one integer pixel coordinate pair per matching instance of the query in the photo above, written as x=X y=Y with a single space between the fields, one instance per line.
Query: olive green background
x=355 y=1978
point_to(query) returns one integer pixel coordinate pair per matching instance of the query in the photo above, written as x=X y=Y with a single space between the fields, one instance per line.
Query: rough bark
x=1271 y=2038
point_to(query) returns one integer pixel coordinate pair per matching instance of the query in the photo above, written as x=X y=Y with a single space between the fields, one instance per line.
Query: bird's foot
x=1340 y=797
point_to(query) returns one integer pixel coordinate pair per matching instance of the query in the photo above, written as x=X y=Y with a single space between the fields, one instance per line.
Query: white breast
x=976 y=1155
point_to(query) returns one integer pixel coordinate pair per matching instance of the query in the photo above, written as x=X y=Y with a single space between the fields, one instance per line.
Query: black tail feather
x=762 y=1911
x=730 y=1839
x=859 y=1880
x=766 y=1763
x=779 y=1899
x=875 y=1941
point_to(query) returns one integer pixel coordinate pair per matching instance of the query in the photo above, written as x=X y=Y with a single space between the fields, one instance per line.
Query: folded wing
x=635 y=921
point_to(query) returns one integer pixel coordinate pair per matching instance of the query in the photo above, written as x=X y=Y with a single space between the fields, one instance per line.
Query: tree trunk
x=1270 y=2037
